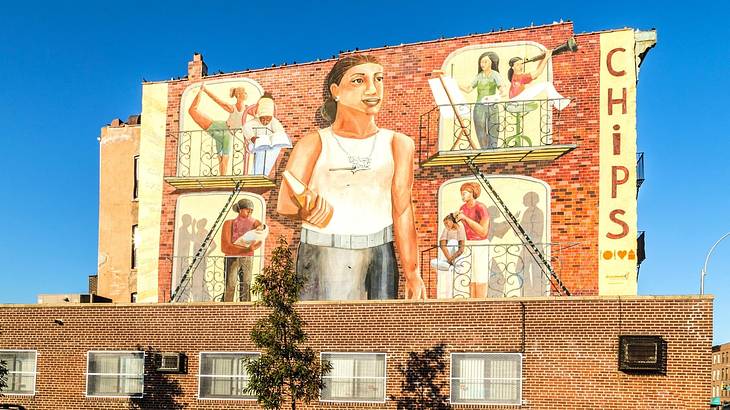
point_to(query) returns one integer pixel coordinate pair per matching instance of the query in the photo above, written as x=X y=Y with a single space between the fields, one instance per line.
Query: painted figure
x=533 y=221
x=517 y=76
x=475 y=217
x=522 y=87
x=359 y=180
x=199 y=280
x=451 y=247
x=266 y=136
x=490 y=89
x=239 y=255
x=221 y=131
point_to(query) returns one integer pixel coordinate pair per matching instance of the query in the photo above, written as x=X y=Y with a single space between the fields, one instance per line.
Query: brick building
x=558 y=323
x=721 y=375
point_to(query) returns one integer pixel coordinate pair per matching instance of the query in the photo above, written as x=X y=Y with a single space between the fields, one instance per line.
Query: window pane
x=223 y=375
x=355 y=377
x=21 y=366
x=115 y=385
x=492 y=378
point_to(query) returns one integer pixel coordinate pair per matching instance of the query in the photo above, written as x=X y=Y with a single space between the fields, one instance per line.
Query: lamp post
x=707 y=259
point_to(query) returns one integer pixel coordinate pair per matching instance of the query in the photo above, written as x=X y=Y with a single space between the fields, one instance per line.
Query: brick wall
x=569 y=345
x=573 y=178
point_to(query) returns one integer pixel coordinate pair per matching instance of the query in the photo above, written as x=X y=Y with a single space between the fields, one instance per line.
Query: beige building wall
x=118 y=210
x=151 y=176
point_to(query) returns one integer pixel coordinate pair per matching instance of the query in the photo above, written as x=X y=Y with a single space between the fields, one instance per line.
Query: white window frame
x=34 y=372
x=492 y=403
x=384 y=377
x=88 y=360
x=200 y=375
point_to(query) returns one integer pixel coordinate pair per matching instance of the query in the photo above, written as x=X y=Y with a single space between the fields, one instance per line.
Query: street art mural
x=226 y=270
x=479 y=254
x=497 y=96
x=350 y=186
x=229 y=128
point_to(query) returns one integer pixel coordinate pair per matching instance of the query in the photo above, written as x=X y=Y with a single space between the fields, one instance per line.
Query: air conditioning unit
x=170 y=363
x=642 y=354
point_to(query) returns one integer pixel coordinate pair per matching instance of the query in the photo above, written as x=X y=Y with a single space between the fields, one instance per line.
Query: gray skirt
x=347 y=274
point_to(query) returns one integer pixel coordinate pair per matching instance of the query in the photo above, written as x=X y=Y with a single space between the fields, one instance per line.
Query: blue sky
x=68 y=68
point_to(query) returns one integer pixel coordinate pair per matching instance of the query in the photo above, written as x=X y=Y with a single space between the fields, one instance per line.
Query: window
x=224 y=376
x=135 y=191
x=486 y=378
x=356 y=377
x=135 y=245
x=111 y=374
x=21 y=366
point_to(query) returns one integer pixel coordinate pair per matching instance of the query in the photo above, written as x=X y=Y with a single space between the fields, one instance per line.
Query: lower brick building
x=528 y=353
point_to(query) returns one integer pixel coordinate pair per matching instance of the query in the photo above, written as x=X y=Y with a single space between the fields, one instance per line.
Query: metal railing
x=640 y=247
x=508 y=270
x=639 y=170
x=201 y=155
x=208 y=280
x=488 y=126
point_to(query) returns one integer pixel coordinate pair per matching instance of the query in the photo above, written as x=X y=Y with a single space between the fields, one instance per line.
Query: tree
x=3 y=375
x=161 y=390
x=285 y=369
x=423 y=385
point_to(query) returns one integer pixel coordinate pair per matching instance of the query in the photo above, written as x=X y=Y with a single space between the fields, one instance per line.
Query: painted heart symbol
x=621 y=254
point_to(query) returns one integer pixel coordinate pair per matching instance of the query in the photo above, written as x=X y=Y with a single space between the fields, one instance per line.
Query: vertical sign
x=617 y=201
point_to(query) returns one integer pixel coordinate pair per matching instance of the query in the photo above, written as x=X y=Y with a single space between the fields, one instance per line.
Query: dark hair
x=450 y=217
x=493 y=57
x=267 y=95
x=511 y=70
x=329 y=108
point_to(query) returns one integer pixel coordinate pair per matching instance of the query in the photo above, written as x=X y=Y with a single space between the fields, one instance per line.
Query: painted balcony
x=508 y=270
x=496 y=132
x=205 y=162
x=207 y=282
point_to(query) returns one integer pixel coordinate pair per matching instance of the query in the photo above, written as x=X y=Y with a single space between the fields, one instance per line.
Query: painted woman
x=359 y=180
x=490 y=89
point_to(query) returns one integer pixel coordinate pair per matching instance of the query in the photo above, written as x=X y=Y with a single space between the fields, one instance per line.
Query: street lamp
x=704 y=268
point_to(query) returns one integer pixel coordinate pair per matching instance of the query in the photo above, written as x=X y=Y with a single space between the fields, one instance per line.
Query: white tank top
x=361 y=200
x=235 y=118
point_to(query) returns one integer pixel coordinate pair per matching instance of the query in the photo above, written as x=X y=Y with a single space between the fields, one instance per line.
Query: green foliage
x=3 y=375
x=285 y=370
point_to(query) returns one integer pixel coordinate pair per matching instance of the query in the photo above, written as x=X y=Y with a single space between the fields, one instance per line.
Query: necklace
x=357 y=163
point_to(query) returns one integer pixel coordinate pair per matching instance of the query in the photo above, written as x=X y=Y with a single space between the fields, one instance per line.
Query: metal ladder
x=535 y=252
x=195 y=262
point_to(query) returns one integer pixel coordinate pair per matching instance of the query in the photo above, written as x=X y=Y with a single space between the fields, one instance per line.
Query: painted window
x=486 y=378
x=223 y=375
x=358 y=377
x=113 y=374
x=493 y=262
x=21 y=366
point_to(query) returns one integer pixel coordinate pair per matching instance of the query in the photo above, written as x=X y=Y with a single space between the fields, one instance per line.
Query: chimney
x=116 y=123
x=134 y=119
x=197 y=68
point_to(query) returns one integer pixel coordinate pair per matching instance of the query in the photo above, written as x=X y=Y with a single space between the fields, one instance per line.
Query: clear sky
x=68 y=68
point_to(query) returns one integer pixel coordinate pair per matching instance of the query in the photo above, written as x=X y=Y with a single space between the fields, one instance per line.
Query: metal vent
x=644 y=354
